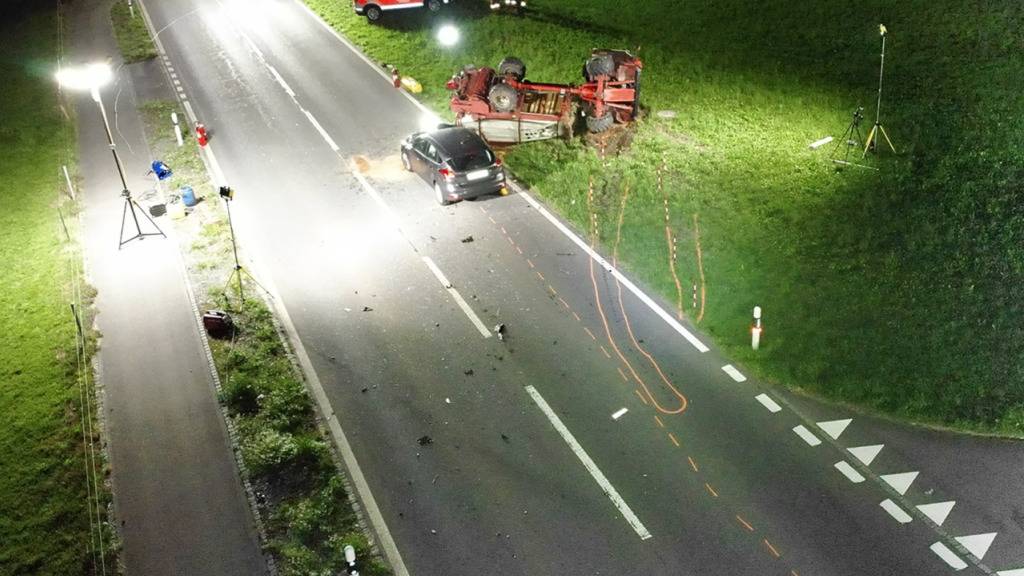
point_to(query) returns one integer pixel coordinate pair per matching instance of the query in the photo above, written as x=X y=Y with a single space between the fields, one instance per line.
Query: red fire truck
x=375 y=9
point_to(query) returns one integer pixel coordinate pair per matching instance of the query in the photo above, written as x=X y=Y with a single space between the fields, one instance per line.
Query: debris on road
x=425 y=440
x=505 y=438
x=367 y=309
x=468 y=372
x=500 y=331
x=467 y=239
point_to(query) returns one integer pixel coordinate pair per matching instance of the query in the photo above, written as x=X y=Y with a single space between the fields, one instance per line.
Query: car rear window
x=472 y=160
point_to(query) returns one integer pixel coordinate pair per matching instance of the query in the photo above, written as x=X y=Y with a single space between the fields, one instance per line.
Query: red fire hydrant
x=201 y=135
x=396 y=78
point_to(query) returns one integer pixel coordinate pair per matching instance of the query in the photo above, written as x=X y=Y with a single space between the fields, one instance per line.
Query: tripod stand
x=852 y=137
x=129 y=206
x=236 y=274
x=878 y=131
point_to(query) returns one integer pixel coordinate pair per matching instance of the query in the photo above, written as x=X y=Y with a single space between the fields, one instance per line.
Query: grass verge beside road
x=300 y=493
x=130 y=31
x=47 y=514
x=895 y=289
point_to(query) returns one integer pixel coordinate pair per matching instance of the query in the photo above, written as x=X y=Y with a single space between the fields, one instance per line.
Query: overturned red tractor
x=504 y=107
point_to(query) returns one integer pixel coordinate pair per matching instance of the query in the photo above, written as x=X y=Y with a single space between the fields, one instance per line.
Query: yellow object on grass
x=412 y=85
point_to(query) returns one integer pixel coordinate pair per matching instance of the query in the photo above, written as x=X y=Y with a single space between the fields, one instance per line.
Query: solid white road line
x=768 y=403
x=937 y=511
x=620 y=413
x=806 y=434
x=458 y=297
x=280 y=80
x=849 y=471
x=866 y=454
x=895 y=511
x=834 y=428
x=977 y=544
x=700 y=346
x=734 y=373
x=900 y=482
x=948 y=556
x=323 y=133
x=589 y=464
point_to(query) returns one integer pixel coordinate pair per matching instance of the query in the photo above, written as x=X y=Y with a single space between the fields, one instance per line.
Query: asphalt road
x=721 y=484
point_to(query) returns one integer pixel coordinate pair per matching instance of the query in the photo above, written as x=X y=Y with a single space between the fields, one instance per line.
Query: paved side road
x=177 y=492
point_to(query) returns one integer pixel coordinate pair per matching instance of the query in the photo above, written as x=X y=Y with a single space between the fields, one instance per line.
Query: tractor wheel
x=599 y=65
x=503 y=98
x=514 y=66
x=373 y=13
x=434 y=5
x=596 y=124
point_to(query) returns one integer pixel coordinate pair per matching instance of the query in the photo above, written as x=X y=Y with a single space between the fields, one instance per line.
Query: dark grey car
x=456 y=162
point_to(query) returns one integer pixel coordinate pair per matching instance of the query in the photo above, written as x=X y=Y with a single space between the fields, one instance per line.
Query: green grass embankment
x=44 y=512
x=897 y=289
x=130 y=32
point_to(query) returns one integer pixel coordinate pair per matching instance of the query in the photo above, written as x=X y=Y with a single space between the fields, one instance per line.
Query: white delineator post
x=177 y=129
x=755 y=330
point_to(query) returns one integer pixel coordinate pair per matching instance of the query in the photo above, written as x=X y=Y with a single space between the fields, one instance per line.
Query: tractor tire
x=512 y=66
x=373 y=13
x=596 y=125
x=599 y=65
x=434 y=5
x=503 y=98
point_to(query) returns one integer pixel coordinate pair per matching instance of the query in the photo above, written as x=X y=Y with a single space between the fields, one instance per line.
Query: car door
x=418 y=158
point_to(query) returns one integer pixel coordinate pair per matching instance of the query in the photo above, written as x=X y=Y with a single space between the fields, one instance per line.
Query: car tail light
x=447 y=174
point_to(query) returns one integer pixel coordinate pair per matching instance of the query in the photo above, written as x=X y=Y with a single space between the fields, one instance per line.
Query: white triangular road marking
x=937 y=511
x=834 y=427
x=866 y=454
x=900 y=482
x=1014 y=572
x=977 y=544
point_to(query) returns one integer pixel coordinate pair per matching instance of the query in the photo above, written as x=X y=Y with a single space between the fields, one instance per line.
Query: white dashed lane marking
x=619 y=413
x=948 y=556
x=734 y=373
x=807 y=436
x=768 y=403
x=895 y=511
x=849 y=471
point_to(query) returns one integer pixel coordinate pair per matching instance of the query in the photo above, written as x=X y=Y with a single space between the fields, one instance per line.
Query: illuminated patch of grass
x=130 y=31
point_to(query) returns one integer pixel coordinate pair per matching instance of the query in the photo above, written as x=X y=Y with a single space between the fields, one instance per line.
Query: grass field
x=897 y=290
x=44 y=517
x=130 y=32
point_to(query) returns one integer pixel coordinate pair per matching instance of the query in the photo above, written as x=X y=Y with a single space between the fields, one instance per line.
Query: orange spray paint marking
x=541 y=276
x=693 y=464
x=520 y=250
x=712 y=491
x=640 y=394
x=482 y=209
x=771 y=549
x=564 y=303
x=591 y=334
x=503 y=231
x=511 y=241
x=793 y=573
x=553 y=291
x=493 y=221
x=658 y=420
x=672 y=437
x=577 y=316
x=530 y=262
x=606 y=352
x=623 y=374
x=744 y=523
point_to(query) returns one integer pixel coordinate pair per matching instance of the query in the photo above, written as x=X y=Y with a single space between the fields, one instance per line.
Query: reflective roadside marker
x=755 y=330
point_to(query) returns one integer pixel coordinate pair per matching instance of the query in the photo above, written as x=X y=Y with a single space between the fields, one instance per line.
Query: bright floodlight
x=448 y=35
x=89 y=77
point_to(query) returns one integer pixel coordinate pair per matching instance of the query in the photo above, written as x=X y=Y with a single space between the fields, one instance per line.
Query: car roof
x=457 y=139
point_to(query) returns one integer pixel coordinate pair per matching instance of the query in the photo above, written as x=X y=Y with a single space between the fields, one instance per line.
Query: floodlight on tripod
x=878 y=131
x=228 y=194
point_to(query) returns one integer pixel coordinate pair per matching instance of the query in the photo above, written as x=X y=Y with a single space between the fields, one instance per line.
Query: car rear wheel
x=441 y=198
x=503 y=98
x=434 y=5
x=405 y=161
x=373 y=13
